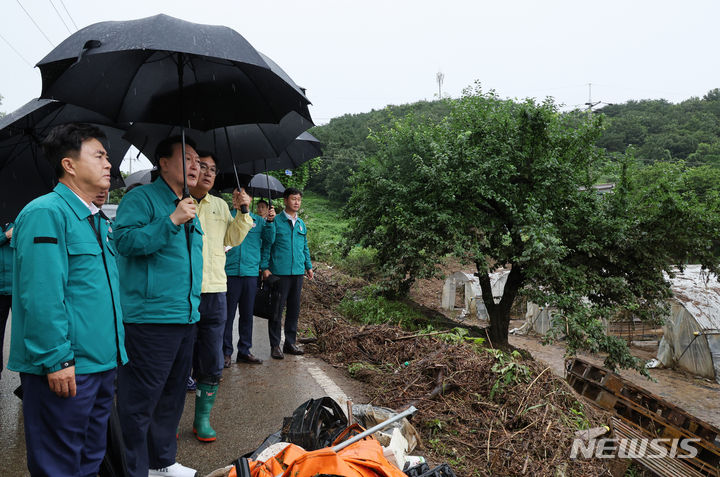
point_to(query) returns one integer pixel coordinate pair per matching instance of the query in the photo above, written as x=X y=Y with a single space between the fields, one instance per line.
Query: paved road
x=252 y=401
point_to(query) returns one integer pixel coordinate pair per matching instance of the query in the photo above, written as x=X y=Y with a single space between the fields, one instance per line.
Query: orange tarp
x=361 y=459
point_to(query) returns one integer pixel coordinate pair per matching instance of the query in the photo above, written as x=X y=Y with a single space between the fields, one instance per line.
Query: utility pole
x=440 y=77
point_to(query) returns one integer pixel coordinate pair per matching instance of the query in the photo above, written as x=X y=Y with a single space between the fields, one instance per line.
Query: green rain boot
x=204 y=400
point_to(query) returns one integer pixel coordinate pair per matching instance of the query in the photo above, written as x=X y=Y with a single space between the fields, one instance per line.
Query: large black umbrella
x=164 y=70
x=24 y=172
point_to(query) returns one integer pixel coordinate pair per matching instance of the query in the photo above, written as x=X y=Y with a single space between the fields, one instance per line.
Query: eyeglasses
x=207 y=169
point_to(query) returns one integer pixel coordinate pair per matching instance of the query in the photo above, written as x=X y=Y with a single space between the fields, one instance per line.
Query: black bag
x=314 y=424
x=267 y=298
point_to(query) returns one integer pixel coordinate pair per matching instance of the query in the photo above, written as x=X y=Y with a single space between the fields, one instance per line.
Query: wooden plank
x=641 y=409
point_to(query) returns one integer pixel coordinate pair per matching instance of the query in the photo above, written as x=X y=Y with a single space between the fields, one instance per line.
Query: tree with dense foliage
x=346 y=144
x=506 y=184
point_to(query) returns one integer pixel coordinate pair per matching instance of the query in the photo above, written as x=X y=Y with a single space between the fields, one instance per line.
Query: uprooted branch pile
x=483 y=411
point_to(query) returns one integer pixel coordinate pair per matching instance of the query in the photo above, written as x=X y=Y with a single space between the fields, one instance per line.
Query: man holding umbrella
x=159 y=241
x=242 y=268
x=221 y=230
x=67 y=333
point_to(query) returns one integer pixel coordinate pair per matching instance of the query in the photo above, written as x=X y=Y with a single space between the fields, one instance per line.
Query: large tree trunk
x=499 y=313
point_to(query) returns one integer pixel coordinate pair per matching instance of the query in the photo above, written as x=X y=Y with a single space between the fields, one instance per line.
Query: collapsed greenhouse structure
x=690 y=336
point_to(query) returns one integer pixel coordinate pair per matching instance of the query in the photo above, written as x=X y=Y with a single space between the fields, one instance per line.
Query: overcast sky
x=357 y=56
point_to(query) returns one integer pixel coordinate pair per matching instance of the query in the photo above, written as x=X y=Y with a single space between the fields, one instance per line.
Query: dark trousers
x=290 y=287
x=208 y=355
x=151 y=393
x=241 y=296
x=67 y=436
x=5 y=302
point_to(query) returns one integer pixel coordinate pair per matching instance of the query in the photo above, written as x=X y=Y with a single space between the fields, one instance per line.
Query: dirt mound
x=485 y=412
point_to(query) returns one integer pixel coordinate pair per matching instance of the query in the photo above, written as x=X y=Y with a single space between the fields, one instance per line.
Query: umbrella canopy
x=231 y=144
x=164 y=70
x=301 y=150
x=24 y=172
x=263 y=185
x=144 y=176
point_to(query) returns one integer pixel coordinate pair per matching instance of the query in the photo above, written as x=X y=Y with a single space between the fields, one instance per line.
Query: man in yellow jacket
x=220 y=230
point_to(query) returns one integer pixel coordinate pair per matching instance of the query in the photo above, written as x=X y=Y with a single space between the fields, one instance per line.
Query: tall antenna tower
x=440 y=77
x=590 y=103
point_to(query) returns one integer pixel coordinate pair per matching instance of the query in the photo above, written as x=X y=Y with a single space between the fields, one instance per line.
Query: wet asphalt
x=252 y=401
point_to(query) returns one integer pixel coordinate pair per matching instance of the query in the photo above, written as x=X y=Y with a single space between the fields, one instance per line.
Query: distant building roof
x=602 y=188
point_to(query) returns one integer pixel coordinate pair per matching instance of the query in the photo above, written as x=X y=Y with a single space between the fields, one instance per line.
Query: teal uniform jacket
x=244 y=260
x=289 y=254
x=6 y=261
x=161 y=273
x=66 y=290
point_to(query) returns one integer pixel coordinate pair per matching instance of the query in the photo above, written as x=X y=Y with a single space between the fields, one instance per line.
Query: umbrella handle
x=267 y=179
x=243 y=208
x=186 y=190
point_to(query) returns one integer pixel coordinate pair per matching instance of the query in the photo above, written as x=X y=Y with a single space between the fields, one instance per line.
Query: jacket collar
x=76 y=205
x=164 y=189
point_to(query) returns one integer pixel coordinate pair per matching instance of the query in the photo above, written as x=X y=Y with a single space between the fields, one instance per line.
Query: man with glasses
x=159 y=241
x=220 y=230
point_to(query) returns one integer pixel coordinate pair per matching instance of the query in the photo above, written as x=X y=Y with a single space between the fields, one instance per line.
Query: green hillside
x=653 y=131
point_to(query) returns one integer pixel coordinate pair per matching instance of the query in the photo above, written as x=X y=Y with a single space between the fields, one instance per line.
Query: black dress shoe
x=248 y=358
x=276 y=353
x=292 y=349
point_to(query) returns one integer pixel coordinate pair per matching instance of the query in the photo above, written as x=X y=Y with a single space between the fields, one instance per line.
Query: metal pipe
x=372 y=430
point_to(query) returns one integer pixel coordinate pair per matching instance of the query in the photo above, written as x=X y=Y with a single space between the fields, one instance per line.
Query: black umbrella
x=301 y=150
x=265 y=185
x=298 y=152
x=164 y=70
x=24 y=172
x=231 y=145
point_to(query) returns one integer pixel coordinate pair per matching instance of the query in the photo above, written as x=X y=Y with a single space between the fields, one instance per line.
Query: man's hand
x=184 y=212
x=310 y=274
x=62 y=382
x=240 y=198
x=8 y=233
x=271 y=214
x=265 y=274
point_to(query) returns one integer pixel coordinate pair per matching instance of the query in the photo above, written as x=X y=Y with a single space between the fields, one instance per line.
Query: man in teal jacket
x=290 y=261
x=159 y=242
x=242 y=267
x=6 y=269
x=67 y=332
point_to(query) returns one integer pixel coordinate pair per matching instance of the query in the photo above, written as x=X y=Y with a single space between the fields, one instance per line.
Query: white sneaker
x=175 y=470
